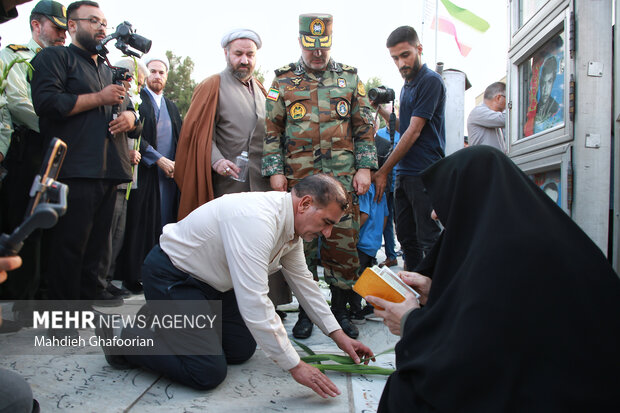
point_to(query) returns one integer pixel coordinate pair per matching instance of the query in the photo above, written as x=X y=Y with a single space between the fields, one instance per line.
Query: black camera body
x=120 y=74
x=381 y=94
x=125 y=38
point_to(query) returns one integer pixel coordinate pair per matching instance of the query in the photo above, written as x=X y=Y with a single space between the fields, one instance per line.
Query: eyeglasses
x=95 y=23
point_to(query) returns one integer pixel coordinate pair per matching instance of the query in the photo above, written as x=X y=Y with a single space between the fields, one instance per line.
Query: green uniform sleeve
x=363 y=130
x=18 y=92
x=275 y=123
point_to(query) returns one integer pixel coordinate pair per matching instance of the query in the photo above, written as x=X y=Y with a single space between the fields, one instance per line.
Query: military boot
x=303 y=326
x=339 y=308
x=355 y=307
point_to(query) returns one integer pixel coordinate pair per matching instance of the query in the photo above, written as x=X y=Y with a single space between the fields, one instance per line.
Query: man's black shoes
x=118 y=292
x=303 y=326
x=347 y=326
x=106 y=299
x=115 y=360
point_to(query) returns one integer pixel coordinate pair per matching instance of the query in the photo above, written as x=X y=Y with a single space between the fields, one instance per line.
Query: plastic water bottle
x=242 y=164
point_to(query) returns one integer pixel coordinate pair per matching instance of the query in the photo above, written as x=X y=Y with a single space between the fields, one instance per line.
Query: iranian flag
x=459 y=23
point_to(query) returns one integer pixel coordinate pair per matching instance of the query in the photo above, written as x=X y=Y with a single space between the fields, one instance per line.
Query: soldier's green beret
x=315 y=31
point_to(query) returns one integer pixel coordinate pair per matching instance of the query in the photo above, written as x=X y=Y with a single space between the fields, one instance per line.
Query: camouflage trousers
x=338 y=252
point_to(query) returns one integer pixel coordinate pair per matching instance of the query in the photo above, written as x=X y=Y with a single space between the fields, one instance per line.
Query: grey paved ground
x=85 y=383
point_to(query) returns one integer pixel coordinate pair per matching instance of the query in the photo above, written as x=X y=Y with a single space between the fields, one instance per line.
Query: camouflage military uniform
x=322 y=123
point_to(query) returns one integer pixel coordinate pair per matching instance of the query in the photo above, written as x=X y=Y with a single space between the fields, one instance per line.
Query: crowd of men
x=136 y=170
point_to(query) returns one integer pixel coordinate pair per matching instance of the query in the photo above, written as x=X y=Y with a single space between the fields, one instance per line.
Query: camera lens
x=381 y=94
x=140 y=43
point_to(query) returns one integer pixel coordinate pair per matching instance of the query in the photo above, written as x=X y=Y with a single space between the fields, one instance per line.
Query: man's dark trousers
x=163 y=281
x=415 y=229
x=77 y=241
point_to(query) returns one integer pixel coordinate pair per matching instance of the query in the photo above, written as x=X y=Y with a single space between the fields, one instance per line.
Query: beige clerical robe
x=239 y=126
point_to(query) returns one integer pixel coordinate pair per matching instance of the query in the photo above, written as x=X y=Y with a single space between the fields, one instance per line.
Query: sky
x=195 y=28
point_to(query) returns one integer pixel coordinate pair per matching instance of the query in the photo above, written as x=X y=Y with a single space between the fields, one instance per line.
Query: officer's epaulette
x=17 y=48
x=348 y=68
x=284 y=69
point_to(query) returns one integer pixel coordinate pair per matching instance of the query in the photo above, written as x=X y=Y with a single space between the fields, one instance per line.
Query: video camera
x=381 y=94
x=125 y=37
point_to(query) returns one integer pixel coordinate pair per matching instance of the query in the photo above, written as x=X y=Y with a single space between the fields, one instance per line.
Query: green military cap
x=315 y=31
x=54 y=11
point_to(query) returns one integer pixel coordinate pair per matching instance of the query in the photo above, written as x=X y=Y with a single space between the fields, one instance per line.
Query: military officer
x=48 y=25
x=319 y=120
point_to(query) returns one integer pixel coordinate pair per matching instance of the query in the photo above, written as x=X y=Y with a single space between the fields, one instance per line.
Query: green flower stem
x=328 y=357
x=136 y=146
x=5 y=72
x=346 y=363
x=355 y=368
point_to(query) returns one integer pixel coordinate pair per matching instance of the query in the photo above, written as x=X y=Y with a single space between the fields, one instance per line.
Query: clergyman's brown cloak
x=192 y=166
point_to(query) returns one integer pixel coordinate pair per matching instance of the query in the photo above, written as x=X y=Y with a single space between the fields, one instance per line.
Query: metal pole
x=592 y=141
x=436 y=27
x=615 y=242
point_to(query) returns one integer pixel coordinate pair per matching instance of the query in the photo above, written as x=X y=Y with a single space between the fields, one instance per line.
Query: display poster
x=543 y=88
x=550 y=183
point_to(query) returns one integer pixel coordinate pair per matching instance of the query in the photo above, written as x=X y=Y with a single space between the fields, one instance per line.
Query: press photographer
x=422 y=143
x=73 y=92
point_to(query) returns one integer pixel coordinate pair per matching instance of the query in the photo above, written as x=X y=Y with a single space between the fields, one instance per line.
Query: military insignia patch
x=18 y=48
x=273 y=94
x=317 y=27
x=361 y=89
x=297 y=111
x=342 y=82
x=342 y=108
x=296 y=81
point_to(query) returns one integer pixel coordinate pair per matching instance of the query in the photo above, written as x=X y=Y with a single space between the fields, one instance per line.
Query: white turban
x=148 y=59
x=241 y=34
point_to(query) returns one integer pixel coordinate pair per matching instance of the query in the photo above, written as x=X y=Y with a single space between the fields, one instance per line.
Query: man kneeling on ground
x=225 y=250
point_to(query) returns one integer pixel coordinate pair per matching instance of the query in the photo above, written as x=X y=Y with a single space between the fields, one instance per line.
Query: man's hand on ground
x=355 y=349
x=312 y=377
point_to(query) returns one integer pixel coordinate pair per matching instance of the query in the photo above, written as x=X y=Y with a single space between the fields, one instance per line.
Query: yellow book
x=383 y=283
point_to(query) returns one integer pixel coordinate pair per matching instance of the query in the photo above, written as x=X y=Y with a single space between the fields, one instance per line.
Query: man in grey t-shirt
x=486 y=122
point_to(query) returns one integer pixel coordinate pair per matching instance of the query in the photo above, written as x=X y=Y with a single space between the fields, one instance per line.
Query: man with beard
x=153 y=203
x=319 y=121
x=74 y=96
x=226 y=117
x=422 y=143
x=48 y=24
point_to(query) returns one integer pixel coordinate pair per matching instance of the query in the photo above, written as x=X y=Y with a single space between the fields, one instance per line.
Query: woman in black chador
x=523 y=313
